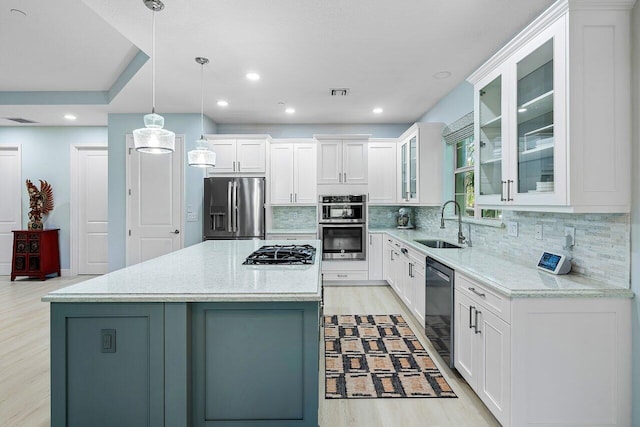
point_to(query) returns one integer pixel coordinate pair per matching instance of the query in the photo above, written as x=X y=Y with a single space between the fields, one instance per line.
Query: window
x=460 y=135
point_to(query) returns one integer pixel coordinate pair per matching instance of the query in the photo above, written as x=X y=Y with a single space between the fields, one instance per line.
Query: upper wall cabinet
x=552 y=113
x=342 y=159
x=238 y=153
x=382 y=171
x=419 y=165
x=292 y=172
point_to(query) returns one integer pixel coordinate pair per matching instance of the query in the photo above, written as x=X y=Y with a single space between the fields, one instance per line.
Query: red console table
x=36 y=253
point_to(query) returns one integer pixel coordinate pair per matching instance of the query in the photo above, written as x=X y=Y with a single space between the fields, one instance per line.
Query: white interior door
x=154 y=203
x=11 y=205
x=92 y=199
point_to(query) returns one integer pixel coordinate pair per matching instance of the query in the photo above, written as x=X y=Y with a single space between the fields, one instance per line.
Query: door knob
x=175 y=232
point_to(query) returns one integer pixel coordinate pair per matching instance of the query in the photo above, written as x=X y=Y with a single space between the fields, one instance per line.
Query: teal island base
x=184 y=364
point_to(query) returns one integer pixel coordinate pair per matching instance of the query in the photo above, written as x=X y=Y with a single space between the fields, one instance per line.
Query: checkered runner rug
x=371 y=356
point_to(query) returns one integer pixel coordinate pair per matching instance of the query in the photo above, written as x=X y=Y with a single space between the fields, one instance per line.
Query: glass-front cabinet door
x=537 y=110
x=489 y=131
x=409 y=170
x=535 y=121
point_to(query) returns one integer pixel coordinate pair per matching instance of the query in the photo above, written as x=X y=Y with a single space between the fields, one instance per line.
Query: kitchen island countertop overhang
x=211 y=271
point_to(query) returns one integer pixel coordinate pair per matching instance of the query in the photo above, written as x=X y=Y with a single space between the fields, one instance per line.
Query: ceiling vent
x=340 y=92
x=19 y=120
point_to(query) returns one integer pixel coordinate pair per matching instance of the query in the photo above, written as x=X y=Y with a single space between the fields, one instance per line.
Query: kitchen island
x=192 y=338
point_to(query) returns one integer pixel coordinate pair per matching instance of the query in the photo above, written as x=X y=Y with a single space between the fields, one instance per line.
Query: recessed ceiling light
x=70 y=117
x=442 y=75
x=222 y=103
x=377 y=110
x=253 y=76
x=290 y=110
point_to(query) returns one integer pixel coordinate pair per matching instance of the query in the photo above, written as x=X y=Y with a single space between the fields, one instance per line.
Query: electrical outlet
x=294 y=215
x=192 y=216
x=570 y=231
x=512 y=228
x=538 y=231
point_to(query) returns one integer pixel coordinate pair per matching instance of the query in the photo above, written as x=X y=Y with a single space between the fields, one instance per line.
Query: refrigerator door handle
x=235 y=206
x=229 y=207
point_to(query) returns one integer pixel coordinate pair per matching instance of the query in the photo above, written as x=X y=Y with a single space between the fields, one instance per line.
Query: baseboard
x=65 y=272
x=354 y=283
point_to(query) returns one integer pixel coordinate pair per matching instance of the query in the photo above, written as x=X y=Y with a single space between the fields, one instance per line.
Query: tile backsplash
x=601 y=251
x=295 y=217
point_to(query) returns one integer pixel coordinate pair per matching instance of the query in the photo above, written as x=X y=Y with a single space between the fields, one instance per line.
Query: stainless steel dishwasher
x=439 y=308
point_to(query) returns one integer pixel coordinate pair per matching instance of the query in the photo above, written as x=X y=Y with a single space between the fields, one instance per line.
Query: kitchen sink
x=440 y=244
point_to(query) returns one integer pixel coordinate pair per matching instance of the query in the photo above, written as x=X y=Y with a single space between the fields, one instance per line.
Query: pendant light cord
x=153 y=62
x=202 y=101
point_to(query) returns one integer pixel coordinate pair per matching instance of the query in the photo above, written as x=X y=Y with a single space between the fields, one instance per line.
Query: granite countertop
x=507 y=277
x=208 y=271
x=292 y=231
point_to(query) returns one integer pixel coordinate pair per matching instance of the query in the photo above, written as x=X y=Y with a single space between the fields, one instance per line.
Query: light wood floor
x=24 y=350
x=24 y=364
x=465 y=411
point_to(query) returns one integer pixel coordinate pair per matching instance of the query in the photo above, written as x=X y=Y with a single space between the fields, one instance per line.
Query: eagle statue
x=40 y=203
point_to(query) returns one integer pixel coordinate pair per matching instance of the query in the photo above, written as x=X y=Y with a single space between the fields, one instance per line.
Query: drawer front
x=21 y=236
x=345 y=275
x=291 y=237
x=492 y=301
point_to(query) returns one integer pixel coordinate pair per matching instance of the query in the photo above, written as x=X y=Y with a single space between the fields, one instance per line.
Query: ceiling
x=91 y=57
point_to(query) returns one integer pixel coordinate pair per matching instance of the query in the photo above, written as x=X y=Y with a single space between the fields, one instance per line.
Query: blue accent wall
x=119 y=125
x=46 y=155
x=454 y=105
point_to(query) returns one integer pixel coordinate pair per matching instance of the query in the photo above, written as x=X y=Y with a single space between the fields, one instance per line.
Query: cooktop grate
x=282 y=254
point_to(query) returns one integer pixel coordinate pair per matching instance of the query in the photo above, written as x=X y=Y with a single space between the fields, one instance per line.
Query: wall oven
x=342 y=227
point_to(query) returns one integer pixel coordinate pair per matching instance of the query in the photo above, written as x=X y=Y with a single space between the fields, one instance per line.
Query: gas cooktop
x=282 y=254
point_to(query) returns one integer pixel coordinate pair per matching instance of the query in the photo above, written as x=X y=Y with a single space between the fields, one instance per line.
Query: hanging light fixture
x=201 y=156
x=153 y=138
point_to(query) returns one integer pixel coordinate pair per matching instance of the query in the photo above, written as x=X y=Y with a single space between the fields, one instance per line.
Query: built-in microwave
x=341 y=209
x=342 y=226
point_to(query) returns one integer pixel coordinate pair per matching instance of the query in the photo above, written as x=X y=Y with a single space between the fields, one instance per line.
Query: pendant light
x=201 y=156
x=153 y=138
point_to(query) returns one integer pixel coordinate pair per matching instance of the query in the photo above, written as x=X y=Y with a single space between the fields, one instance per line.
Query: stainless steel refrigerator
x=233 y=208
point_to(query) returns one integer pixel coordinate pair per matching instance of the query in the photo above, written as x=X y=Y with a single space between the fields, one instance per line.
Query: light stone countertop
x=208 y=271
x=292 y=231
x=507 y=277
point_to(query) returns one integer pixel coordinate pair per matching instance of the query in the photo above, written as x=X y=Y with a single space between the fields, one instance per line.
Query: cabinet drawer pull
x=480 y=294
x=471 y=308
x=475 y=327
x=343 y=275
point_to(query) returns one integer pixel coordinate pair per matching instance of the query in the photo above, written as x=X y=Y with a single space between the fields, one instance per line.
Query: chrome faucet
x=461 y=238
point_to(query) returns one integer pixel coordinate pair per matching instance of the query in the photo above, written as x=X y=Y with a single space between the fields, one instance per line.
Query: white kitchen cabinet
x=552 y=120
x=404 y=270
x=482 y=343
x=238 y=154
x=382 y=171
x=375 y=254
x=392 y=263
x=342 y=161
x=419 y=165
x=292 y=173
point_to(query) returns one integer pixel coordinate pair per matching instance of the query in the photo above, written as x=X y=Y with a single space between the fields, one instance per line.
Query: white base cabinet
x=545 y=361
x=375 y=255
x=404 y=270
